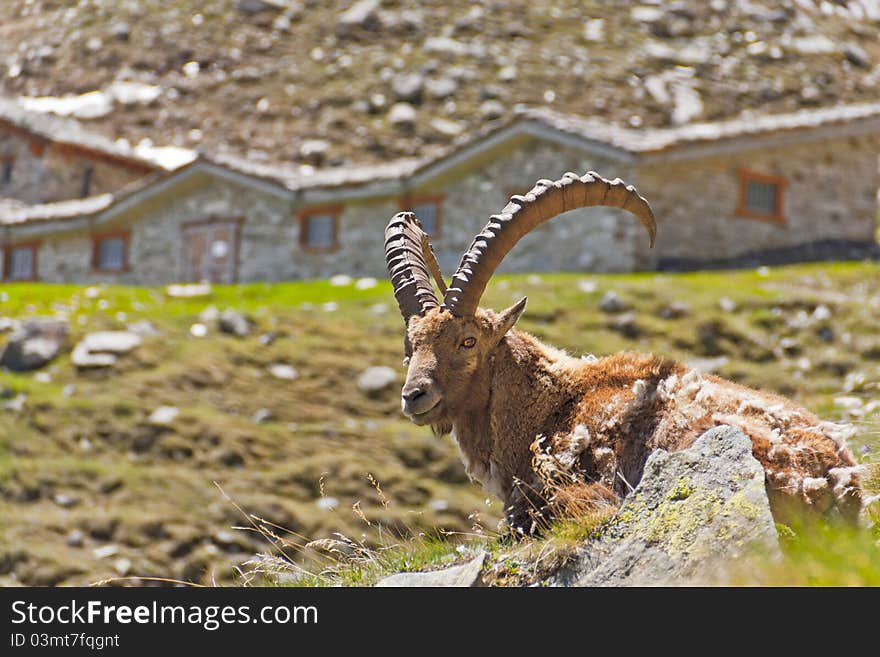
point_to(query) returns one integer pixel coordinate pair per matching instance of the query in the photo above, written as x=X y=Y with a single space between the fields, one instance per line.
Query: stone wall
x=43 y=172
x=831 y=196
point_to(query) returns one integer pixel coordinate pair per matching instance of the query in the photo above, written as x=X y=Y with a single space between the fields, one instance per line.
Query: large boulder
x=34 y=343
x=694 y=514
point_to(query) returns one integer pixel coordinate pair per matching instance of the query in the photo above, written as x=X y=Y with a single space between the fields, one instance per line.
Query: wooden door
x=209 y=252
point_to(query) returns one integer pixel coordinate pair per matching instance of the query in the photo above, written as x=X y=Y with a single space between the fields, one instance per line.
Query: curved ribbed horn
x=409 y=272
x=522 y=214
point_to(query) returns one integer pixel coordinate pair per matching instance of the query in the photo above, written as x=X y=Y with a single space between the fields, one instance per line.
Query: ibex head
x=448 y=344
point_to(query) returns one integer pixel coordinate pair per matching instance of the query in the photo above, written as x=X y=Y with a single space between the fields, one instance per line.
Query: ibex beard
x=506 y=397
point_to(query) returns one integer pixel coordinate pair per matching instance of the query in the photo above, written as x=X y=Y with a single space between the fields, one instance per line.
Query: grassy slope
x=150 y=494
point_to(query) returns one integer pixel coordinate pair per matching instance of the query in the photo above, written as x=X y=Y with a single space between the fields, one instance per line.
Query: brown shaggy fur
x=508 y=389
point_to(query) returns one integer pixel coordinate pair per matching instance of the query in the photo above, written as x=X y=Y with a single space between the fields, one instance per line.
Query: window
x=428 y=210
x=318 y=229
x=111 y=253
x=20 y=263
x=6 y=171
x=761 y=196
x=87 y=181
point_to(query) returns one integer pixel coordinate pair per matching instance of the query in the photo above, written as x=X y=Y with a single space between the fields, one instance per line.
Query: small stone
x=209 y=314
x=446 y=127
x=727 y=304
x=66 y=501
x=143 y=327
x=441 y=88
x=163 y=416
x=283 y=372
x=612 y=303
x=408 y=87
x=188 y=290
x=492 y=109
x=376 y=379
x=362 y=14
x=327 y=503
x=402 y=115
x=111 y=342
x=341 y=280
x=675 y=310
x=122 y=566
x=105 y=551
x=856 y=55
x=366 y=283
x=75 y=538
x=198 y=330
x=234 y=323
x=262 y=416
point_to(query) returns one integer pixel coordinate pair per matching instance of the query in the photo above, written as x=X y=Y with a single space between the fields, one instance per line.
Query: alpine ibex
x=498 y=390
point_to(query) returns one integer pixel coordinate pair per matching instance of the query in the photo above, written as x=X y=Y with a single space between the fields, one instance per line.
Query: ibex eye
x=469 y=342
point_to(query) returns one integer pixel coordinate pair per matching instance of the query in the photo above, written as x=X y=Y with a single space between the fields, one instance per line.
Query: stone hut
x=769 y=188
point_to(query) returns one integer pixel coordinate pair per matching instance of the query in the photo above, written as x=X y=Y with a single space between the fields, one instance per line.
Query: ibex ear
x=507 y=318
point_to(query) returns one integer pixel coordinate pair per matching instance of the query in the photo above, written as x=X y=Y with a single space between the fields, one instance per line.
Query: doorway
x=210 y=252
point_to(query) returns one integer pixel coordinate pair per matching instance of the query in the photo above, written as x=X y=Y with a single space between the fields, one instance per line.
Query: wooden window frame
x=407 y=203
x=97 y=238
x=747 y=176
x=34 y=246
x=7 y=163
x=304 y=215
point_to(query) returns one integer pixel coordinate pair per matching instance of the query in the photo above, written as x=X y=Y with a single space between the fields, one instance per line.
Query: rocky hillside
x=337 y=82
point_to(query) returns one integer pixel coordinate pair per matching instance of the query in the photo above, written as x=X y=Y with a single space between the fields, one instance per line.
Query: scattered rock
x=446 y=127
x=612 y=303
x=66 y=501
x=326 y=503
x=727 y=304
x=75 y=538
x=341 y=280
x=362 y=14
x=366 y=283
x=143 y=327
x=16 y=404
x=466 y=575
x=283 y=372
x=626 y=325
x=234 y=323
x=102 y=348
x=198 y=330
x=105 y=551
x=693 y=514
x=34 y=343
x=492 y=109
x=163 y=416
x=856 y=55
x=408 y=87
x=188 y=290
x=262 y=416
x=441 y=88
x=402 y=115
x=374 y=380
x=674 y=310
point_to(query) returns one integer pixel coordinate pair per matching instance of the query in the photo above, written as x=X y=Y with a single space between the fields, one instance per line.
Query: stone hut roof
x=70 y=132
x=313 y=185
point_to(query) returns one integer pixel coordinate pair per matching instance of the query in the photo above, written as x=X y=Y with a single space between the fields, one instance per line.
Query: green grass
x=325 y=429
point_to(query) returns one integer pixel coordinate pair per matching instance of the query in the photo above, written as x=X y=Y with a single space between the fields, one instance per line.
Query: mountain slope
x=317 y=82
